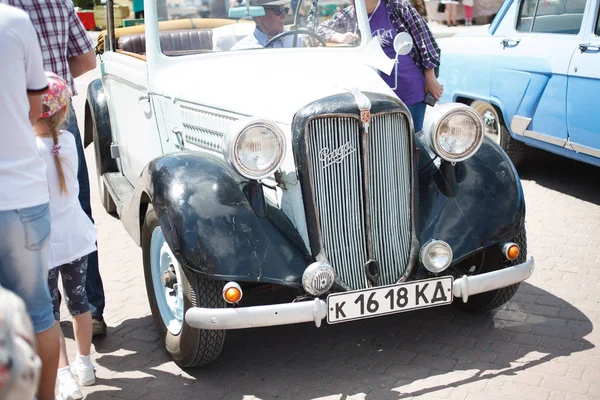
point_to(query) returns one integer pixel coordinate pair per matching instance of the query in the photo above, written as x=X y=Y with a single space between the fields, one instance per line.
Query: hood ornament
x=364 y=105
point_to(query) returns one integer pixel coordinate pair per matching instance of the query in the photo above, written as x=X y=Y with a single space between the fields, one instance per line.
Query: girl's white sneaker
x=84 y=373
x=68 y=388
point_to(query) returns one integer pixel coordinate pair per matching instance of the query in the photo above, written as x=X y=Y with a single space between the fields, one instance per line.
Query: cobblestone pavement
x=542 y=345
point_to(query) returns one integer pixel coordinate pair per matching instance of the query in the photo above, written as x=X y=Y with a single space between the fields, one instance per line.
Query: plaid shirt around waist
x=60 y=33
x=405 y=18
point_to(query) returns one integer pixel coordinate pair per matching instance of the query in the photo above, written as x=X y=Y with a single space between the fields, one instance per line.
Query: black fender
x=97 y=116
x=477 y=203
x=209 y=223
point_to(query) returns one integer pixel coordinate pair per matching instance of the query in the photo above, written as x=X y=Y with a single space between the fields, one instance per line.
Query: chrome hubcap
x=166 y=274
x=491 y=125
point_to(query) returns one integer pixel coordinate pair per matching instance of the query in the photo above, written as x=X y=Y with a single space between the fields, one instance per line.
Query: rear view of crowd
x=45 y=212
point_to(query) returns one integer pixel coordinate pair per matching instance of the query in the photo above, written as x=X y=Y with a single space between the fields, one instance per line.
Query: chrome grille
x=339 y=197
x=390 y=195
x=349 y=183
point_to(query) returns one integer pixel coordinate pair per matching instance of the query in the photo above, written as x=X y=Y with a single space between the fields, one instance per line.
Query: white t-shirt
x=73 y=235
x=22 y=170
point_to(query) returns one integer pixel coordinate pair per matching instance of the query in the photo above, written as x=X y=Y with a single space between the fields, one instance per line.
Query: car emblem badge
x=365 y=116
x=335 y=156
x=364 y=105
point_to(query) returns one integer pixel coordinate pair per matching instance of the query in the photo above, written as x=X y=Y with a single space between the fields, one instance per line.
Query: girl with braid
x=72 y=238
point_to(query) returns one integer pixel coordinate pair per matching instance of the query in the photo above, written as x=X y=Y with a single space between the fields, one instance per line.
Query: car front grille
x=361 y=184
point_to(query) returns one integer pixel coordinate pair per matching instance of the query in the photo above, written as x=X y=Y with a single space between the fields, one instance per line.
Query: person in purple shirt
x=416 y=70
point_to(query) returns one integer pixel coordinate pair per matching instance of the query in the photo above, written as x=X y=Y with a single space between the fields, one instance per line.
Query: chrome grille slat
x=339 y=192
x=339 y=200
x=390 y=199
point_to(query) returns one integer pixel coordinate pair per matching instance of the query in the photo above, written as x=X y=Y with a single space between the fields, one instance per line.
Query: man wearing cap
x=268 y=26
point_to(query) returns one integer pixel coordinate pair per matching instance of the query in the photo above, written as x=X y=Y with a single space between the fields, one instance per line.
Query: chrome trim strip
x=545 y=138
x=125 y=82
x=585 y=150
x=519 y=124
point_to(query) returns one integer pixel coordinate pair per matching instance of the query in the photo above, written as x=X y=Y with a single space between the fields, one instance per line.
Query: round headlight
x=318 y=278
x=456 y=131
x=255 y=148
x=436 y=256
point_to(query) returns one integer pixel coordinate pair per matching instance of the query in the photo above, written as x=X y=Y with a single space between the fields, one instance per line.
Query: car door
x=530 y=77
x=583 y=94
x=132 y=114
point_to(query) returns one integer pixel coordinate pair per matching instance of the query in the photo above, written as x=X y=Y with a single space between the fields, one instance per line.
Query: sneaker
x=68 y=388
x=98 y=326
x=86 y=375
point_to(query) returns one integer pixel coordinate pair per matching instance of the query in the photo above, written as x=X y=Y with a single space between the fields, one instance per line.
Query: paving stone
x=571 y=385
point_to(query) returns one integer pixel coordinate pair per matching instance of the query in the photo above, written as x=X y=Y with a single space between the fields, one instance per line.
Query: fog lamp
x=511 y=251
x=436 y=256
x=318 y=278
x=232 y=293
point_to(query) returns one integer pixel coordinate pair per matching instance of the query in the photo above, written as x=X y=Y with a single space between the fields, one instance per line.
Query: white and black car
x=292 y=167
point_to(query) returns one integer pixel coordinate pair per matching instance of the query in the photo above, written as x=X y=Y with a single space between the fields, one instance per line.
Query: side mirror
x=242 y=12
x=403 y=43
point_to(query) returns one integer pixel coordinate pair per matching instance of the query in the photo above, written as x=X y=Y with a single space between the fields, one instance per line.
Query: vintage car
x=240 y=171
x=534 y=76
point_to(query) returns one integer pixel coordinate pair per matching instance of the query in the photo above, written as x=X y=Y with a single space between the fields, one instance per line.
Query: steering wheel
x=296 y=32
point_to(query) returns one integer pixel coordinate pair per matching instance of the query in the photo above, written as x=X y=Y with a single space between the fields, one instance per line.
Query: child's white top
x=72 y=235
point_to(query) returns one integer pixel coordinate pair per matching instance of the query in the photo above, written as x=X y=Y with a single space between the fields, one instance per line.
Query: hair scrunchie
x=55 y=149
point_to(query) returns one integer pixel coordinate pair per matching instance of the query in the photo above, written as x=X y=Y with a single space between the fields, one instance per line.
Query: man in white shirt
x=24 y=212
x=268 y=26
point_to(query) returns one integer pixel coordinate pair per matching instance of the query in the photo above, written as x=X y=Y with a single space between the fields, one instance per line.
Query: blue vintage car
x=534 y=76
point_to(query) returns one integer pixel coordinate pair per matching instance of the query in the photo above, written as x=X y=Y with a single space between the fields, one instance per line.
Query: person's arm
x=37 y=83
x=35 y=107
x=80 y=49
x=340 y=27
x=79 y=65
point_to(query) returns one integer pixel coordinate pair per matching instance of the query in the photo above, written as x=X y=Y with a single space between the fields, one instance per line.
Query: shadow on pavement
x=561 y=174
x=391 y=357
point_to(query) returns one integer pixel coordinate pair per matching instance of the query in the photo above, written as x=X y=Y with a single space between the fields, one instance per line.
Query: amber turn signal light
x=232 y=293
x=511 y=251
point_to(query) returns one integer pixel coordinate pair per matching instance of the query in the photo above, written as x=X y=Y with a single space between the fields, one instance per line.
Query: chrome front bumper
x=316 y=310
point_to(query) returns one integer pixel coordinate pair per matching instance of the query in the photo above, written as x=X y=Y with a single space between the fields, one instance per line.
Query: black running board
x=119 y=188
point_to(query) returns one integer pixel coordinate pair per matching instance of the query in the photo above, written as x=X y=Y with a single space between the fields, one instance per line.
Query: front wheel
x=495 y=298
x=171 y=292
x=496 y=130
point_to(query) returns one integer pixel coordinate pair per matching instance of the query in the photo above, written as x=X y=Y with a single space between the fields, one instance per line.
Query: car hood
x=271 y=84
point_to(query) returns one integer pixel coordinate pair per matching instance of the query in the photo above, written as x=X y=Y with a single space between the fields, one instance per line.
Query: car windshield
x=206 y=26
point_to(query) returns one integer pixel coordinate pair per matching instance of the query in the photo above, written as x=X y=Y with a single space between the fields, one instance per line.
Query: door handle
x=509 y=42
x=588 y=46
x=179 y=138
x=143 y=98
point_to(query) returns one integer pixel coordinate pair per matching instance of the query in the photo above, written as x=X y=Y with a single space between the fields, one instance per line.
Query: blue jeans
x=417 y=111
x=93 y=283
x=24 y=260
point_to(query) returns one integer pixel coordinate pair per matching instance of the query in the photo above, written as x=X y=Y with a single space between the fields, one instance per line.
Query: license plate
x=367 y=303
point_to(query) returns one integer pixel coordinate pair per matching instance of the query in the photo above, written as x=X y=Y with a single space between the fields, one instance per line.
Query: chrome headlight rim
x=427 y=246
x=318 y=278
x=441 y=115
x=232 y=138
